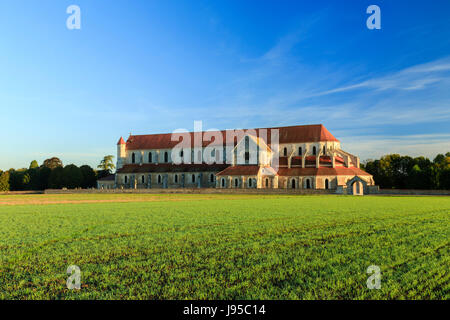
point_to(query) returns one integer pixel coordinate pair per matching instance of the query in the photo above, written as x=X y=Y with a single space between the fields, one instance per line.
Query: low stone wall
x=20 y=192
x=414 y=192
x=192 y=191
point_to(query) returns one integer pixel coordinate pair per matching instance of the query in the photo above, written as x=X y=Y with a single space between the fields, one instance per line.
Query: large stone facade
x=298 y=157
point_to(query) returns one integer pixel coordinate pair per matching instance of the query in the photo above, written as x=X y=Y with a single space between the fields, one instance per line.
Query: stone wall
x=192 y=191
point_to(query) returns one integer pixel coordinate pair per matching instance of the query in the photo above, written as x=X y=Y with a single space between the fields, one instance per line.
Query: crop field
x=197 y=246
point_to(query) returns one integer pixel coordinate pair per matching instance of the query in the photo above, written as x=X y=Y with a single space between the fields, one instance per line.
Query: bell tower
x=121 y=153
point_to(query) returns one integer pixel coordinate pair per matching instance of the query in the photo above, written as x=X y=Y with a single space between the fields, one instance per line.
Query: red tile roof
x=121 y=141
x=294 y=134
x=322 y=171
x=240 y=171
x=167 y=167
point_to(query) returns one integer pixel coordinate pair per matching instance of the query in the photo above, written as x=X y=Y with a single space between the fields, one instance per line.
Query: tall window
x=223 y=183
x=166 y=157
x=133 y=158
x=176 y=178
x=314 y=150
x=285 y=152
x=267 y=183
x=126 y=179
x=300 y=151
x=250 y=183
x=159 y=178
x=327 y=184
x=143 y=179
x=193 y=178
x=211 y=177
x=308 y=184
x=324 y=150
x=236 y=182
x=150 y=157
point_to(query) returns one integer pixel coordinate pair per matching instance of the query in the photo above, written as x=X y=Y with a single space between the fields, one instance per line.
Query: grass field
x=224 y=246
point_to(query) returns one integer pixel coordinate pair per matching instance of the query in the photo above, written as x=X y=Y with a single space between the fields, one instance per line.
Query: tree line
x=53 y=175
x=394 y=171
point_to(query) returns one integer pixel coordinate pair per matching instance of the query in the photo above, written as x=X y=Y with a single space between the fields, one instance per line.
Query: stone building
x=295 y=157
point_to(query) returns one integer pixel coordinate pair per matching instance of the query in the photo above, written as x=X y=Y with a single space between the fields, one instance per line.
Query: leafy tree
x=52 y=163
x=55 y=180
x=72 y=177
x=107 y=164
x=4 y=181
x=89 y=177
x=34 y=164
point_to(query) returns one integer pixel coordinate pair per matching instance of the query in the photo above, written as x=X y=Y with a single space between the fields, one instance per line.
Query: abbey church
x=295 y=157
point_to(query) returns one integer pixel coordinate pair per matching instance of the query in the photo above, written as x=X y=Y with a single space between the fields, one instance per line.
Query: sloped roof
x=240 y=171
x=168 y=167
x=121 y=141
x=293 y=134
x=110 y=177
x=322 y=171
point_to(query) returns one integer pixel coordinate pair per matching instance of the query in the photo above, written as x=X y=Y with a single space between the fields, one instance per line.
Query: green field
x=224 y=246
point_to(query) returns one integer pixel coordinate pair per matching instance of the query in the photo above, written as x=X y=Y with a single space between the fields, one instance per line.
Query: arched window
x=236 y=182
x=133 y=158
x=166 y=157
x=293 y=183
x=267 y=183
x=126 y=179
x=159 y=178
x=300 y=151
x=193 y=178
x=211 y=177
x=314 y=150
x=150 y=157
x=327 y=184
x=223 y=182
x=176 y=178
x=143 y=179
x=285 y=152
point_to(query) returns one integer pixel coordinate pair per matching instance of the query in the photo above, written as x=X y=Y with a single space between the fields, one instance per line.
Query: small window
x=285 y=152
x=314 y=150
x=159 y=178
x=327 y=184
x=193 y=178
x=324 y=150
x=143 y=179
x=176 y=178
x=126 y=179
x=133 y=158
x=150 y=157
x=267 y=183
x=236 y=182
x=250 y=183
x=211 y=178
x=293 y=183
x=223 y=183
x=166 y=157
x=300 y=151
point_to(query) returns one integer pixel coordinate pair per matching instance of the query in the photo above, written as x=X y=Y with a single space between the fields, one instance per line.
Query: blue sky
x=155 y=66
